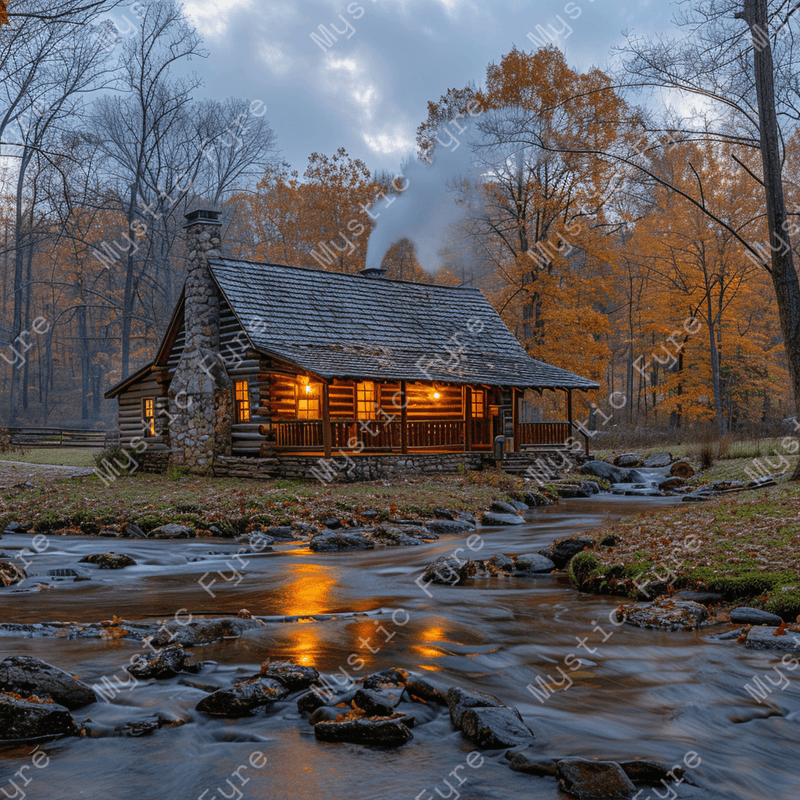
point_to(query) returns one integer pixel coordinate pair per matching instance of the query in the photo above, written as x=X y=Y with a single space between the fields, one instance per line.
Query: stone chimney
x=200 y=394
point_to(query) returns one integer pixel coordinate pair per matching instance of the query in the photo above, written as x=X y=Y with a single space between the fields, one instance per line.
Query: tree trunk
x=783 y=272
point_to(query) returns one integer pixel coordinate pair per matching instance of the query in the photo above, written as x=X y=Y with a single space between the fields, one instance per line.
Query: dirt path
x=13 y=473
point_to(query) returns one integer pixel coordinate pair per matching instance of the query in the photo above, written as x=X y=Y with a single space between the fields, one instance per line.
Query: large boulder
x=492 y=518
x=763 y=637
x=522 y=762
x=10 y=573
x=754 y=616
x=172 y=531
x=385 y=679
x=385 y=732
x=293 y=676
x=492 y=728
x=658 y=460
x=333 y=541
x=665 y=614
x=243 y=698
x=33 y=719
x=166 y=663
x=390 y=536
x=569 y=491
x=650 y=773
x=601 y=469
x=461 y=700
x=501 y=562
x=25 y=675
x=419 y=688
x=378 y=703
x=281 y=532
x=109 y=560
x=534 y=562
x=447 y=569
x=594 y=780
x=562 y=551
x=448 y=526
x=500 y=507
x=628 y=460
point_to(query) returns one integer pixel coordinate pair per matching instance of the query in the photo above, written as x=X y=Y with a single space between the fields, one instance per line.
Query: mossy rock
x=748 y=584
x=109 y=560
x=582 y=566
x=785 y=604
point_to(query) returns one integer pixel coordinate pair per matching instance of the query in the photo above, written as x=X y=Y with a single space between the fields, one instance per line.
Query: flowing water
x=636 y=693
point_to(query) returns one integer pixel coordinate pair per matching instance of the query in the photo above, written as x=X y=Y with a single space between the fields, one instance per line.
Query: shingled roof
x=350 y=326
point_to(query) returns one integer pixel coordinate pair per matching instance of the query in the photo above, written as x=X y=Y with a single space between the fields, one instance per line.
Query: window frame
x=303 y=396
x=149 y=420
x=370 y=408
x=241 y=401
x=478 y=401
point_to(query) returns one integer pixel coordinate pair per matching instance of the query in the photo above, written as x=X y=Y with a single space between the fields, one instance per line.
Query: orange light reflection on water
x=307 y=594
x=431 y=634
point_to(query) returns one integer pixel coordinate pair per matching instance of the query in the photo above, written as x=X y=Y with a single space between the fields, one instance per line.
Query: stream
x=639 y=693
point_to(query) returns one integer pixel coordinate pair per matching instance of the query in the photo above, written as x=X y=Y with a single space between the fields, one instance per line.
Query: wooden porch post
x=515 y=417
x=326 y=421
x=569 y=409
x=467 y=418
x=403 y=418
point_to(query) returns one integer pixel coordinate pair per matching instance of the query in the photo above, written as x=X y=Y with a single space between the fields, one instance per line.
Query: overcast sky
x=366 y=89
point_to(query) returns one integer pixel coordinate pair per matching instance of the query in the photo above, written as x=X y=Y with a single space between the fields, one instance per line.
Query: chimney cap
x=203 y=216
x=373 y=272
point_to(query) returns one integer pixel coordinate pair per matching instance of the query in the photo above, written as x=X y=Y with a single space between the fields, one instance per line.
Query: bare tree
x=54 y=91
x=134 y=126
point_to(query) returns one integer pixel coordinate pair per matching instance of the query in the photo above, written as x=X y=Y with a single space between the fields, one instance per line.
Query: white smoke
x=432 y=202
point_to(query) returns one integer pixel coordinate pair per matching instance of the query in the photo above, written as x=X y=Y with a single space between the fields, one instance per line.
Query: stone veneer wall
x=200 y=393
x=365 y=468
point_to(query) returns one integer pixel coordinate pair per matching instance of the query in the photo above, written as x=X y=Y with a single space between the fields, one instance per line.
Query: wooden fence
x=58 y=437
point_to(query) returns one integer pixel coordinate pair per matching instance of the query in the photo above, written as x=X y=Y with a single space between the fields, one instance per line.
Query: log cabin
x=269 y=369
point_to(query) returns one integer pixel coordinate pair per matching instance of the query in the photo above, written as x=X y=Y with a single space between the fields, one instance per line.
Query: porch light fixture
x=436 y=395
x=309 y=389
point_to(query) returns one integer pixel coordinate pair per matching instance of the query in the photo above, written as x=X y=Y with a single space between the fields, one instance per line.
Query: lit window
x=308 y=400
x=242 y=397
x=149 y=416
x=478 y=403
x=365 y=400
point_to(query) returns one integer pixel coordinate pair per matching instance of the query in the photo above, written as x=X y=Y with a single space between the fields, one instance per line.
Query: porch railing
x=369 y=434
x=377 y=435
x=550 y=433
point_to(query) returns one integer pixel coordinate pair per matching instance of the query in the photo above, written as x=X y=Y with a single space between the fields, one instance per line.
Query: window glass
x=149 y=416
x=478 y=403
x=242 y=397
x=365 y=400
x=309 y=398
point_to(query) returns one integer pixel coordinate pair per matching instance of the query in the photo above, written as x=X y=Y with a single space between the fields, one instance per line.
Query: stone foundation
x=153 y=462
x=360 y=468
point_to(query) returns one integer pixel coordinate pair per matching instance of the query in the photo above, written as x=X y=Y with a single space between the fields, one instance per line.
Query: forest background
x=611 y=237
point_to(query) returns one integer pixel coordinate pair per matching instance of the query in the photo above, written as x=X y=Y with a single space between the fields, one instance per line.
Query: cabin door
x=479 y=418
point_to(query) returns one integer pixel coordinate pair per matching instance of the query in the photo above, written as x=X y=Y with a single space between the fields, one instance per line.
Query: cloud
x=367 y=89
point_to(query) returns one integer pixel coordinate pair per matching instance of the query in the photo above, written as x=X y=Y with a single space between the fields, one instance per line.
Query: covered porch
x=309 y=416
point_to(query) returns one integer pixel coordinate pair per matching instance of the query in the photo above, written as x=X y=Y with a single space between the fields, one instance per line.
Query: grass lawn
x=745 y=547
x=63 y=457
x=85 y=505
